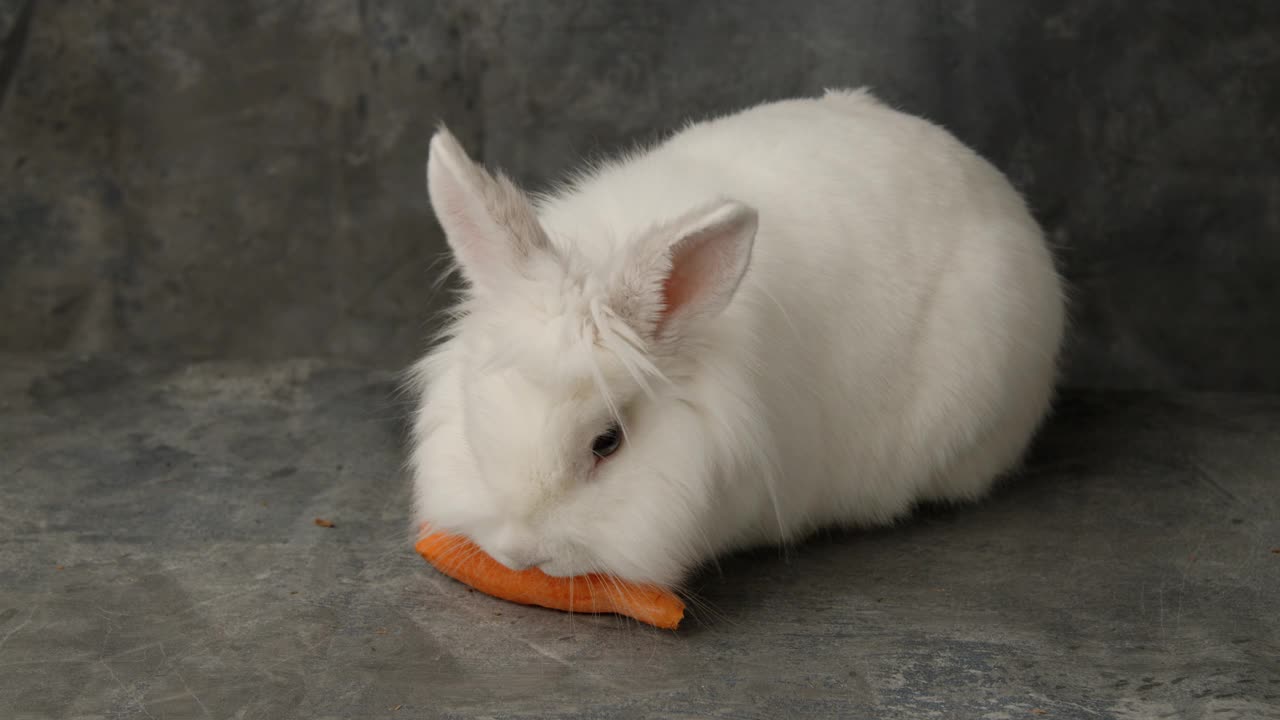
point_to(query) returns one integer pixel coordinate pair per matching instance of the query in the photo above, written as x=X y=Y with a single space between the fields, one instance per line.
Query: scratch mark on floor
x=126 y=690
x=1204 y=476
x=569 y=664
x=134 y=649
x=546 y=653
x=187 y=687
x=224 y=596
x=30 y=614
x=1050 y=701
x=86 y=658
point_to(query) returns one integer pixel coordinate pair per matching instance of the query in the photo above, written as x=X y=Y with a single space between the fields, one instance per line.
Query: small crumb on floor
x=1275 y=551
x=59 y=567
x=325 y=523
x=1038 y=711
x=380 y=631
x=395 y=707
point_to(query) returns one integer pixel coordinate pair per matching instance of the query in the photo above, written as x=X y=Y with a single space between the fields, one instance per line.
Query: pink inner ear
x=707 y=263
x=691 y=265
x=676 y=291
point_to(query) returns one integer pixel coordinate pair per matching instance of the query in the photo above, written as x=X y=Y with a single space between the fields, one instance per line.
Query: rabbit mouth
x=519 y=563
x=558 y=568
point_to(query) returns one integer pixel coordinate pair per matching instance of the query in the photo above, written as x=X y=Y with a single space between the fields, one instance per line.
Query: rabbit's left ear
x=489 y=222
x=687 y=269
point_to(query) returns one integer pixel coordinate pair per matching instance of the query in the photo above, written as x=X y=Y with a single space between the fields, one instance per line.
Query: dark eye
x=607 y=442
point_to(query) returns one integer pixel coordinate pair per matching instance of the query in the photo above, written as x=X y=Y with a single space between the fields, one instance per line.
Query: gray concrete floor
x=159 y=559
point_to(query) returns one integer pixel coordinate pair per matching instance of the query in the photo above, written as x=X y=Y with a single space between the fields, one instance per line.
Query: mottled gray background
x=244 y=179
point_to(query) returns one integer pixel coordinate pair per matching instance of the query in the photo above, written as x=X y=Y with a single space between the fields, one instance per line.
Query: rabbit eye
x=607 y=442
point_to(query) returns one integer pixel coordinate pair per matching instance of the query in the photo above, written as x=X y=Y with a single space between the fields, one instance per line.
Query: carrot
x=464 y=561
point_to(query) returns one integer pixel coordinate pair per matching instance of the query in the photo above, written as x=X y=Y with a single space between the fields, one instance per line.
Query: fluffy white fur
x=813 y=312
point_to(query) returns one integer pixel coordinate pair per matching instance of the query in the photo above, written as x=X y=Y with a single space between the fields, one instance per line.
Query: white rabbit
x=810 y=313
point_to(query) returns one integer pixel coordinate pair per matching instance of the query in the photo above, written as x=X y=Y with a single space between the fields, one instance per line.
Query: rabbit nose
x=519 y=559
x=517 y=550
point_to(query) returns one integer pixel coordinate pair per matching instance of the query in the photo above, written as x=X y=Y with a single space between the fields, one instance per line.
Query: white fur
x=893 y=339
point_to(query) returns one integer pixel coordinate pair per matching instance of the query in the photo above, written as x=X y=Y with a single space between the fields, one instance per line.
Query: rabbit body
x=814 y=312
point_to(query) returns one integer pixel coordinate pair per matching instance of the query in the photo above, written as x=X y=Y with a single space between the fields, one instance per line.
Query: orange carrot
x=464 y=561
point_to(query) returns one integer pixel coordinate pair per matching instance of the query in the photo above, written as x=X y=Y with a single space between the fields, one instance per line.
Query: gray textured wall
x=244 y=179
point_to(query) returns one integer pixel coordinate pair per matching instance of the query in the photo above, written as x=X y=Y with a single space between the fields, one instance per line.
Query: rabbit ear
x=489 y=222
x=692 y=269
